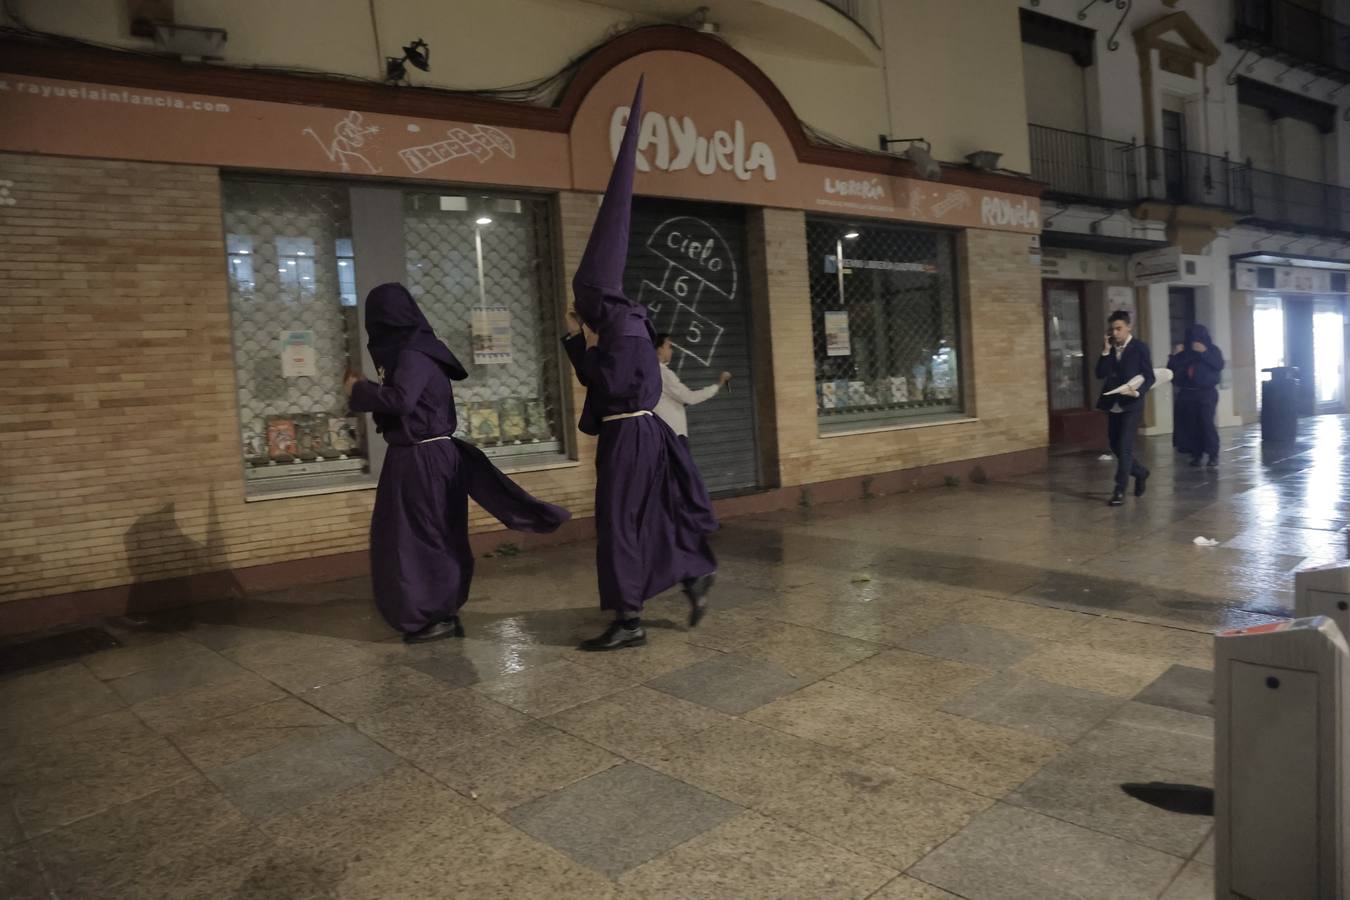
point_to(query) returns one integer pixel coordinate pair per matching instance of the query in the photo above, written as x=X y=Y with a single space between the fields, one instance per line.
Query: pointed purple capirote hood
x=598 y=283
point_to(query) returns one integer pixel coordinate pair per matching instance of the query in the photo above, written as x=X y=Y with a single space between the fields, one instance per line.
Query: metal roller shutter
x=687 y=263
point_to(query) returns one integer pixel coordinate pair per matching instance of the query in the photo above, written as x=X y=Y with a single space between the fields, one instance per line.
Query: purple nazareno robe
x=652 y=510
x=420 y=561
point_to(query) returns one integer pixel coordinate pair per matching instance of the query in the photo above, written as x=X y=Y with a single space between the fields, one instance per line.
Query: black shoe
x=1139 y=484
x=1213 y=462
x=1117 y=498
x=617 y=636
x=696 y=589
x=1195 y=461
x=436 y=631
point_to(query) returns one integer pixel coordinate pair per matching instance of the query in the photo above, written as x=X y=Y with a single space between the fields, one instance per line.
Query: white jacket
x=675 y=397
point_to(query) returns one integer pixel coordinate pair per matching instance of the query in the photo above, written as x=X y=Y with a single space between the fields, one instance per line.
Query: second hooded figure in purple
x=652 y=511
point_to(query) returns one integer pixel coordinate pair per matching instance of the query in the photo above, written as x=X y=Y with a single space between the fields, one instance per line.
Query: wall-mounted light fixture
x=919 y=152
x=396 y=67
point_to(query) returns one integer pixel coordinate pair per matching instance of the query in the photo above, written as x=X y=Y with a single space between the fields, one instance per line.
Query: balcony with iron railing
x=1301 y=37
x=1298 y=204
x=1084 y=168
x=1090 y=169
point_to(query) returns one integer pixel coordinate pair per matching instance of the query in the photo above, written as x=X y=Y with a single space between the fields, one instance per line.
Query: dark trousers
x=1123 y=428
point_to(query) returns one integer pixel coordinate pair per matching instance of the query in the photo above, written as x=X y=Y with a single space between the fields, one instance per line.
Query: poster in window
x=491 y=335
x=299 y=357
x=836 y=333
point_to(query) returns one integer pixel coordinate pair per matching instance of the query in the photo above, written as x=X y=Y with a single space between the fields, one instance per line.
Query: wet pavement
x=926 y=696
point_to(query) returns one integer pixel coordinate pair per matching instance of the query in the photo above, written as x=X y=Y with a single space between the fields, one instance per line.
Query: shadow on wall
x=168 y=568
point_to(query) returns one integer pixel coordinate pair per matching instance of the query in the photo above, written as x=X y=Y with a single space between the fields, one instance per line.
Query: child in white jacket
x=674 y=395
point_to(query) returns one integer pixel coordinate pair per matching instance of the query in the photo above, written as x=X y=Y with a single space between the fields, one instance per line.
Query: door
x=1180 y=314
x=686 y=262
x=1268 y=331
x=1328 y=326
x=1067 y=373
x=1298 y=328
x=1174 y=154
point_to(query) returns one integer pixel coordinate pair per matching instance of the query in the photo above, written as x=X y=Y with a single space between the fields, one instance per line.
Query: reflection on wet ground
x=918 y=696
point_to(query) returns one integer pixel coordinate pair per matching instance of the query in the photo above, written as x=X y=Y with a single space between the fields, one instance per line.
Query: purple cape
x=420 y=560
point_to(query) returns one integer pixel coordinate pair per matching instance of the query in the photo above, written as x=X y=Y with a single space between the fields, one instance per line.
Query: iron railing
x=1083 y=166
x=1293 y=31
x=1283 y=201
x=1195 y=179
x=1087 y=168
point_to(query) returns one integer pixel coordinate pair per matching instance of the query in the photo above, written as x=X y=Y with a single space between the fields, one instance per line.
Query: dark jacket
x=1134 y=360
x=1192 y=370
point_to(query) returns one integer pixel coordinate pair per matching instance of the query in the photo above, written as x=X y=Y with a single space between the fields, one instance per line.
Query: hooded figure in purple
x=1196 y=366
x=420 y=561
x=652 y=511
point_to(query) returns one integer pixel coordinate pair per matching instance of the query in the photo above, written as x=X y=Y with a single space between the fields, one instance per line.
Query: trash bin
x=1279 y=405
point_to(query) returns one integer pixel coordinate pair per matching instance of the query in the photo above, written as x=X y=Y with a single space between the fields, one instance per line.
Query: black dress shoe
x=1117 y=498
x=1213 y=462
x=1139 y=484
x=696 y=589
x=436 y=631
x=617 y=636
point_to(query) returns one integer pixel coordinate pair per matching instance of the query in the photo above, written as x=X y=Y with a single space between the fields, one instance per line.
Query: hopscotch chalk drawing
x=699 y=270
x=349 y=136
x=482 y=143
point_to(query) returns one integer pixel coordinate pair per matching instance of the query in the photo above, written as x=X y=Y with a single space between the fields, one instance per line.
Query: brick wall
x=119 y=449
x=1004 y=367
x=118 y=430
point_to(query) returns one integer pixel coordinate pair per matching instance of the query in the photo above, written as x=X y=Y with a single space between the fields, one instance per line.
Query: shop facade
x=189 y=268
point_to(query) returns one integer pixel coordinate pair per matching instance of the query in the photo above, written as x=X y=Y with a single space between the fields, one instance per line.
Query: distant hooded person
x=1197 y=367
x=652 y=510
x=420 y=560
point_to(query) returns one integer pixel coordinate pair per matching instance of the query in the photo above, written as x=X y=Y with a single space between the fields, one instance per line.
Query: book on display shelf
x=281 y=438
x=513 y=425
x=485 y=423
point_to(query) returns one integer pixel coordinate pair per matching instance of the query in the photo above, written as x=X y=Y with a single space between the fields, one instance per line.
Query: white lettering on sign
x=1003 y=213
x=871 y=189
x=675 y=144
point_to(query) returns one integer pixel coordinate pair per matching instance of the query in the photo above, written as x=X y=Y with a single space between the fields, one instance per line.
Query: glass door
x=1329 y=355
x=1268 y=327
x=1064 y=346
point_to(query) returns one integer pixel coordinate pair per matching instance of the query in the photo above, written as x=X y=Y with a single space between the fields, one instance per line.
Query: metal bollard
x=1324 y=591
x=1281 y=736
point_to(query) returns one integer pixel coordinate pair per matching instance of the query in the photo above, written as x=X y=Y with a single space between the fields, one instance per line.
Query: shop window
x=885 y=327
x=481 y=268
x=295 y=336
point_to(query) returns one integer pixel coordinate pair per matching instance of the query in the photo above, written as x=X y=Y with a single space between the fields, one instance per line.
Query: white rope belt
x=631 y=415
x=444 y=437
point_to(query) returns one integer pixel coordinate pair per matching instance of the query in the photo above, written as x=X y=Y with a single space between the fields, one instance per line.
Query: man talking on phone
x=1123 y=359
